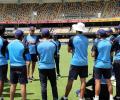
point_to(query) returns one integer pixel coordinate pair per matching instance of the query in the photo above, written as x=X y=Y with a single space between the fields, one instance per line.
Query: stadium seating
x=58 y=11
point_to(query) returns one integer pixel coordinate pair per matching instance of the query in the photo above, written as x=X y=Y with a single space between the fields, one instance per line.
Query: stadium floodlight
x=33 y=15
x=99 y=15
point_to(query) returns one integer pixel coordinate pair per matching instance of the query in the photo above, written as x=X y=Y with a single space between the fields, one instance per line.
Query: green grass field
x=34 y=88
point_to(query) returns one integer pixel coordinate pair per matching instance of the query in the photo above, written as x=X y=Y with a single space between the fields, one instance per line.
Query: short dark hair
x=19 y=34
x=79 y=32
x=2 y=30
x=103 y=35
x=45 y=33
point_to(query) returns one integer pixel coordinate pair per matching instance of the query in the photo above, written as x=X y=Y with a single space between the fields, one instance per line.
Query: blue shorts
x=27 y=57
x=82 y=71
x=99 y=72
x=18 y=75
x=3 y=72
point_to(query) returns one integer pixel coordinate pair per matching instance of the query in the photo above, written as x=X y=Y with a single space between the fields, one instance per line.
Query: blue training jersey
x=32 y=40
x=16 y=51
x=79 y=45
x=110 y=38
x=46 y=50
x=104 y=48
x=3 y=59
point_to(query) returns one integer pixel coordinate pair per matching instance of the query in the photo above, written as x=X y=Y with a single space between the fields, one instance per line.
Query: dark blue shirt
x=117 y=48
x=3 y=59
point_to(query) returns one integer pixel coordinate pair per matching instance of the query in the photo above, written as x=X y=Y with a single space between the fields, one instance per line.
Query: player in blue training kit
x=102 y=95
x=18 y=70
x=57 y=57
x=31 y=41
x=109 y=35
x=46 y=51
x=103 y=64
x=111 y=38
x=3 y=61
x=78 y=46
x=116 y=64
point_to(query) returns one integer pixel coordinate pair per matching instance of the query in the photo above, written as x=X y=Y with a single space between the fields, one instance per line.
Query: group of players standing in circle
x=24 y=51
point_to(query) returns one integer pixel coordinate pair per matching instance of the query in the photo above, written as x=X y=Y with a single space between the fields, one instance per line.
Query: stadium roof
x=44 y=1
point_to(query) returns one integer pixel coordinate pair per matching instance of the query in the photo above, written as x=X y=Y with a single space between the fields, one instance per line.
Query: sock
x=81 y=98
x=96 y=97
x=111 y=97
x=65 y=98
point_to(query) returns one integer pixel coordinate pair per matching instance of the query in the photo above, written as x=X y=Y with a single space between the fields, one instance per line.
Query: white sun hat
x=79 y=27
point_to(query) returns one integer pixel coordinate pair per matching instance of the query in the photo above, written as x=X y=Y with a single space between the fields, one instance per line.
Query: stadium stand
x=57 y=11
x=112 y=10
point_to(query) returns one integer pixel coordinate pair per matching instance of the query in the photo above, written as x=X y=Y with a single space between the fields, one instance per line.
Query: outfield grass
x=34 y=88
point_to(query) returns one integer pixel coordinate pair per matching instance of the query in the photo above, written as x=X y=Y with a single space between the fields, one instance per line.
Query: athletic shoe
x=77 y=93
x=32 y=78
x=116 y=98
x=62 y=98
x=29 y=79
x=112 y=78
x=82 y=99
x=2 y=98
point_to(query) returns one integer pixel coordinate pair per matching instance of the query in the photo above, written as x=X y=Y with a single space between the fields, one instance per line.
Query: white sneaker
x=95 y=98
x=111 y=97
x=81 y=98
x=112 y=78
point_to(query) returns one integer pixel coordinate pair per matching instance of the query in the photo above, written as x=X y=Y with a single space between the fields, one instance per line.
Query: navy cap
x=45 y=32
x=110 y=31
x=117 y=27
x=19 y=33
x=101 y=32
x=32 y=28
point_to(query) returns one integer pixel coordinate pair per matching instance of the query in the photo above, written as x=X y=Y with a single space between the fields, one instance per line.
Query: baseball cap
x=32 y=28
x=117 y=27
x=101 y=32
x=110 y=31
x=45 y=32
x=19 y=33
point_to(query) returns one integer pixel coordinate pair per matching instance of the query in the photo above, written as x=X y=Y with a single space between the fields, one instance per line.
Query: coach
x=31 y=40
x=78 y=46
